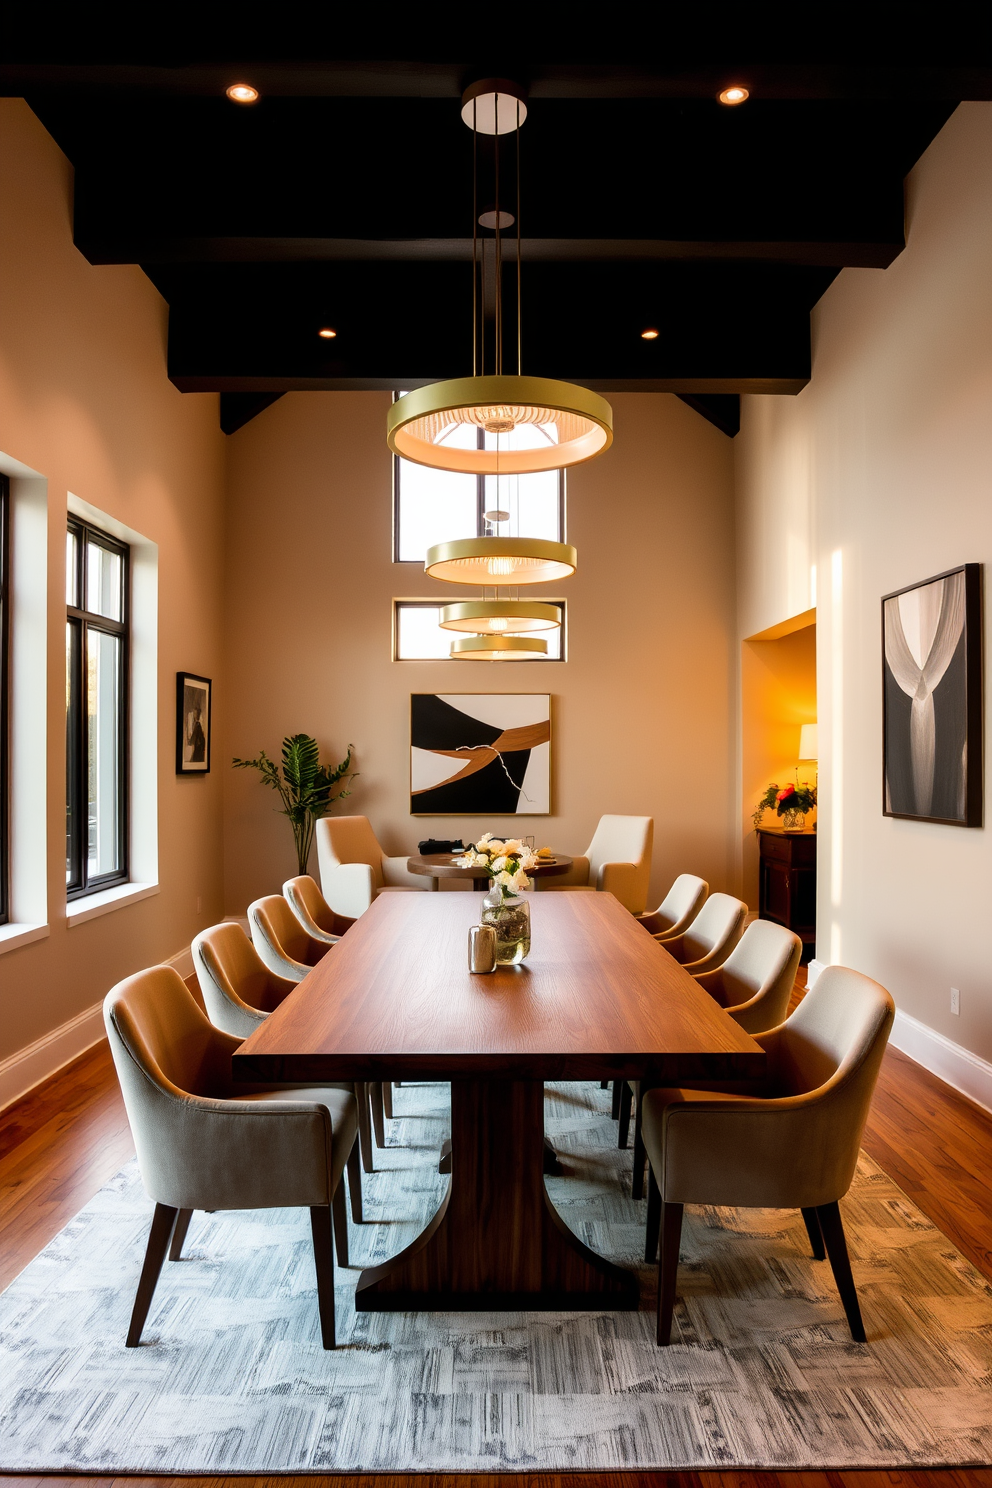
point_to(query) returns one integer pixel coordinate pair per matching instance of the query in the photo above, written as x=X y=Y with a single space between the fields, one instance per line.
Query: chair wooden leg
x=163 y=1223
x=832 y=1228
x=378 y=1121
x=617 y=1088
x=815 y=1234
x=640 y=1155
x=387 y=1099
x=654 y=1218
x=625 y=1104
x=668 y=1269
x=323 y=1259
x=364 y=1125
x=179 y=1233
x=355 y=1181
x=339 y=1214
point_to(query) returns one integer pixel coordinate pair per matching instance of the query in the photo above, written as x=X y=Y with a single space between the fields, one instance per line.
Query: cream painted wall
x=878 y=474
x=642 y=711
x=85 y=401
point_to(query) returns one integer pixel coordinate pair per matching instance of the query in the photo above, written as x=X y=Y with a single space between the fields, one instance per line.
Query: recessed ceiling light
x=242 y=93
x=733 y=95
x=326 y=334
x=649 y=335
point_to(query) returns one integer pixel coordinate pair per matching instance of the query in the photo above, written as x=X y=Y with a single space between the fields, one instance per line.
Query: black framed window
x=96 y=734
x=4 y=700
x=433 y=506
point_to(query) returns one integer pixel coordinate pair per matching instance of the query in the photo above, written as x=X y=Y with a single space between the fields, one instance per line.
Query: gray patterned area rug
x=231 y=1377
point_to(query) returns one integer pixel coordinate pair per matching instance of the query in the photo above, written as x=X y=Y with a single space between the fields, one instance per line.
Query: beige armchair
x=617 y=861
x=712 y=935
x=756 y=980
x=205 y=1143
x=281 y=941
x=678 y=909
x=240 y=991
x=753 y=985
x=354 y=868
x=795 y=1147
x=313 y=911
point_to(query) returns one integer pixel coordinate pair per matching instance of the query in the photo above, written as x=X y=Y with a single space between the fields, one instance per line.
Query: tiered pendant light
x=549 y=425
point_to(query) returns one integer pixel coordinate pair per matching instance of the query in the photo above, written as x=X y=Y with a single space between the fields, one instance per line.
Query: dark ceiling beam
x=889 y=78
x=723 y=329
x=105 y=247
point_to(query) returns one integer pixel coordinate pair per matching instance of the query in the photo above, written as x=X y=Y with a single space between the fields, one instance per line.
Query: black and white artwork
x=192 y=724
x=932 y=718
x=480 y=754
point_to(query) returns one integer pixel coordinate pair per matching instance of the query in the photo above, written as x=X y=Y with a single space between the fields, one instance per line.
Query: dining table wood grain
x=597 y=998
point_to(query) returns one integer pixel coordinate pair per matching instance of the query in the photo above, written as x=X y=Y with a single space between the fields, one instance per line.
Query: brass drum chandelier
x=557 y=424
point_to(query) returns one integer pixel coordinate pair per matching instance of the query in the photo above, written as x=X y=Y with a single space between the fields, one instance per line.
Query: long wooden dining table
x=596 y=998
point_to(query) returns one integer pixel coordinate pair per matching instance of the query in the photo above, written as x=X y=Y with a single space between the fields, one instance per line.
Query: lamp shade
x=807 y=742
x=570 y=424
x=499 y=616
x=498 y=648
x=500 y=560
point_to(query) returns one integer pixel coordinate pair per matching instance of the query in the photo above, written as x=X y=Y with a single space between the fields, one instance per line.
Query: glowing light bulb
x=500 y=566
x=326 y=334
x=497 y=623
x=242 y=93
x=734 y=95
x=651 y=335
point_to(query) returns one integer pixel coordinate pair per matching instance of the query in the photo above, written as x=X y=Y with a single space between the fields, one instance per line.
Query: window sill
x=12 y=936
x=92 y=906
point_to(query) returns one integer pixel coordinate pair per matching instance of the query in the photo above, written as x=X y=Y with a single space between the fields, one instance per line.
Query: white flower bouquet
x=505 y=863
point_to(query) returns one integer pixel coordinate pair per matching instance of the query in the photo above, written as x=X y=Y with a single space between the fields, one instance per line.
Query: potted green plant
x=791 y=803
x=305 y=786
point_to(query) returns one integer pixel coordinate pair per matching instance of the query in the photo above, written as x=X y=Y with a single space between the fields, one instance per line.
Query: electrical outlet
x=955 y=1001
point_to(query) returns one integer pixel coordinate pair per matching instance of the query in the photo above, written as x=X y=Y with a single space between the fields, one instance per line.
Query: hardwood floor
x=62 y=1142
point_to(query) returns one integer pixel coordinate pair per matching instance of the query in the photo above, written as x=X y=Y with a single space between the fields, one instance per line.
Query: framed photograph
x=192 y=724
x=932 y=699
x=480 y=754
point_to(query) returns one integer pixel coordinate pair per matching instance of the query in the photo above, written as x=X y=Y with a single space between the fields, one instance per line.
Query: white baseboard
x=30 y=1066
x=947 y=1060
x=39 y=1061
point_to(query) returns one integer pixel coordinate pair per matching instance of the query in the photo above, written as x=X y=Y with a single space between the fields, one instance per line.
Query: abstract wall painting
x=480 y=754
x=192 y=724
x=932 y=699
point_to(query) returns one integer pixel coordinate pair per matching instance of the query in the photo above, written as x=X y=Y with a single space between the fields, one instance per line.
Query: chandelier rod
x=475 y=240
x=520 y=362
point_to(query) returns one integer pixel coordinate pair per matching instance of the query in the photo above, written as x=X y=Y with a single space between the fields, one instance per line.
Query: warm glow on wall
x=242 y=93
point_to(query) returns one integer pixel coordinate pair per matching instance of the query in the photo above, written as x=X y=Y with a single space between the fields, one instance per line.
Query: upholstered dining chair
x=354 y=868
x=204 y=1142
x=239 y=992
x=617 y=861
x=313 y=911
x=753 y=985
x=712 y=935
x=794 y=1147
x=678 y=909
x=280 y=940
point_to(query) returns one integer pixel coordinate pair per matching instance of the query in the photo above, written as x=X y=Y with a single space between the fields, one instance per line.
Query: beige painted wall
x=878 y=474
x=642 y=711
x=85 y=401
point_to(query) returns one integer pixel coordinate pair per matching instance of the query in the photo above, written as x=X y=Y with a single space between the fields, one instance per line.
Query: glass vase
x=510 y=918
x=794 y=821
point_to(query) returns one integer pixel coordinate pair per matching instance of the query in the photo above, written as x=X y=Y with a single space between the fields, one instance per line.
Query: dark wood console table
x=787 y=880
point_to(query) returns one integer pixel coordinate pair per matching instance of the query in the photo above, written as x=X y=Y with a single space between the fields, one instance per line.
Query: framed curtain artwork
x=480 y=754
x=192 y=724
x=932 y=699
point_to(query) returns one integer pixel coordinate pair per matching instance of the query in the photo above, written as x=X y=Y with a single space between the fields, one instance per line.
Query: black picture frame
x=191 y=757
x=933 y=735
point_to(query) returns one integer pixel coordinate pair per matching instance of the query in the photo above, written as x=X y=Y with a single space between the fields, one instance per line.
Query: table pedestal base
x=496 y=1243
